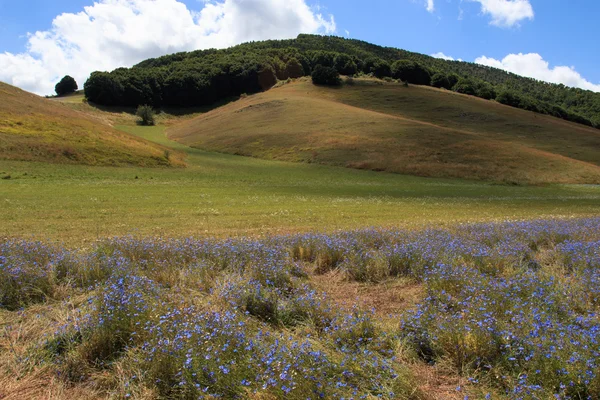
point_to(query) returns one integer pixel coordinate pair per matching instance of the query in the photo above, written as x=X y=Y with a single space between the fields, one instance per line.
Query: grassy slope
x=416 y=130
x=38 y=129
x=224 y=195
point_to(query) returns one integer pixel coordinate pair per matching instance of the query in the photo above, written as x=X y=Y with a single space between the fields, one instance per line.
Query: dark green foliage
x=378 y=67
x=485 y=91
x=205 y=76
x=509 y=98
x=324 y=58
x=326 y=76
x=266 y=78
x=66 y=85
x=146 y=115
x=440 y=80
x=465 y=86
x=345 y=65
x=294 y=69
x=411 y=72
x=453 y=79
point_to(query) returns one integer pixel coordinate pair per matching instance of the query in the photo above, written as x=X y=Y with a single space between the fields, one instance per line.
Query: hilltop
x=36 y=129
x=412 y=130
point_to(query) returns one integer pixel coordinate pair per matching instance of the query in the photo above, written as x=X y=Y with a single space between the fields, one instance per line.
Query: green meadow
x=227 y=195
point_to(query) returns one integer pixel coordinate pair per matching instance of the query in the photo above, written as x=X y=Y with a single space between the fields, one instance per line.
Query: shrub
x=440 y=80
x=411 y=72
x=146 y=115
x=66 y=85
x=326 y=76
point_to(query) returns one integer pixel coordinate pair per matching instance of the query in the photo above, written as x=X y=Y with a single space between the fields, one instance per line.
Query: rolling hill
x=37 y=129
x=413 y=130
x=204 y=77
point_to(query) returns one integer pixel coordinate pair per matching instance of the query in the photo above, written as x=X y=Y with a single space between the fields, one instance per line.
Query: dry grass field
x=36 y=129
x=388 y=127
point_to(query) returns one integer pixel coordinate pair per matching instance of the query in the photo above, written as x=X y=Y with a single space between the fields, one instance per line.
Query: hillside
x=411 y=130
x=37 y=129
x=204 y=77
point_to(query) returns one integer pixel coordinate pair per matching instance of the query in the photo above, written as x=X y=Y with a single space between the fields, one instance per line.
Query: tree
x=345 y=64
x=266 y=78
x=378 y=67
x=66 y=86
x=509 y=98
x=453 y=79
x=485 y=91
x=465 y=86
x=146 y=114
x=326 y=76
x=411 y=72
x=294 y=69
x=440 y=80
x=104 y=88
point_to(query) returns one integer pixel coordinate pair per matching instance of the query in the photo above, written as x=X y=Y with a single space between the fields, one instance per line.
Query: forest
x=204 y=77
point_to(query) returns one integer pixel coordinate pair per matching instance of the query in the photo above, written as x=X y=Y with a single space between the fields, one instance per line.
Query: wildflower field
x=507 y=310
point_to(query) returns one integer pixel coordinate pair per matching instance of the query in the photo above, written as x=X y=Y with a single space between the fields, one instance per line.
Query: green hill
x=411 y=130
x=36 y=129
x=204 y=77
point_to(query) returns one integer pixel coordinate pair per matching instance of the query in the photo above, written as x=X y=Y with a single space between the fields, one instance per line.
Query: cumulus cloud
x=442 y=56
x=534 y=66
x=445 y=57
x=430 y=6
x=117 y=33
x=506 y=13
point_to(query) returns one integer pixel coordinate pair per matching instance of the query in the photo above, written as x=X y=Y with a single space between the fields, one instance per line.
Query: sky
x=550 y=40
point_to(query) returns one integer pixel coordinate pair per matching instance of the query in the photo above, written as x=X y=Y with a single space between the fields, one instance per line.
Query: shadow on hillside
x=174 y=111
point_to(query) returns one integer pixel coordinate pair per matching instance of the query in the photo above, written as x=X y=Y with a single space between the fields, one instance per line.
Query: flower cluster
x=512 y=305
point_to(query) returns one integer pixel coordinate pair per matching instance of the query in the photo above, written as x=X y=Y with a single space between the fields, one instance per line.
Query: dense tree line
x=206 y=76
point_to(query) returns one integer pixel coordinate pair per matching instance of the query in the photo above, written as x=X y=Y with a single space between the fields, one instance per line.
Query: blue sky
x=548 y=39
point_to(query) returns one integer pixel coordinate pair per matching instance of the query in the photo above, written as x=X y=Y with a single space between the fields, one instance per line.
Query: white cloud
x=430 y=6
x=445 y=57
x=116 y=33
x=506 y=13
x=534 y=66
x=442 y=56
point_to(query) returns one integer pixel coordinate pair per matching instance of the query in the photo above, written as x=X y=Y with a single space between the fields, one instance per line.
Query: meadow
x=505 y=311
x=236 y=277
x=227 y=195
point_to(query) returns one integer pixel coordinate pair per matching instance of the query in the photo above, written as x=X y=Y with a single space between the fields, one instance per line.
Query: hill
x=204 y=77
x=37 y=129
x=411 y=130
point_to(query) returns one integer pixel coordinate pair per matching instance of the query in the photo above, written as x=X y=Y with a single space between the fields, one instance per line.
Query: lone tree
x=66 y=85
x=326 y=76
x=146 y=115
